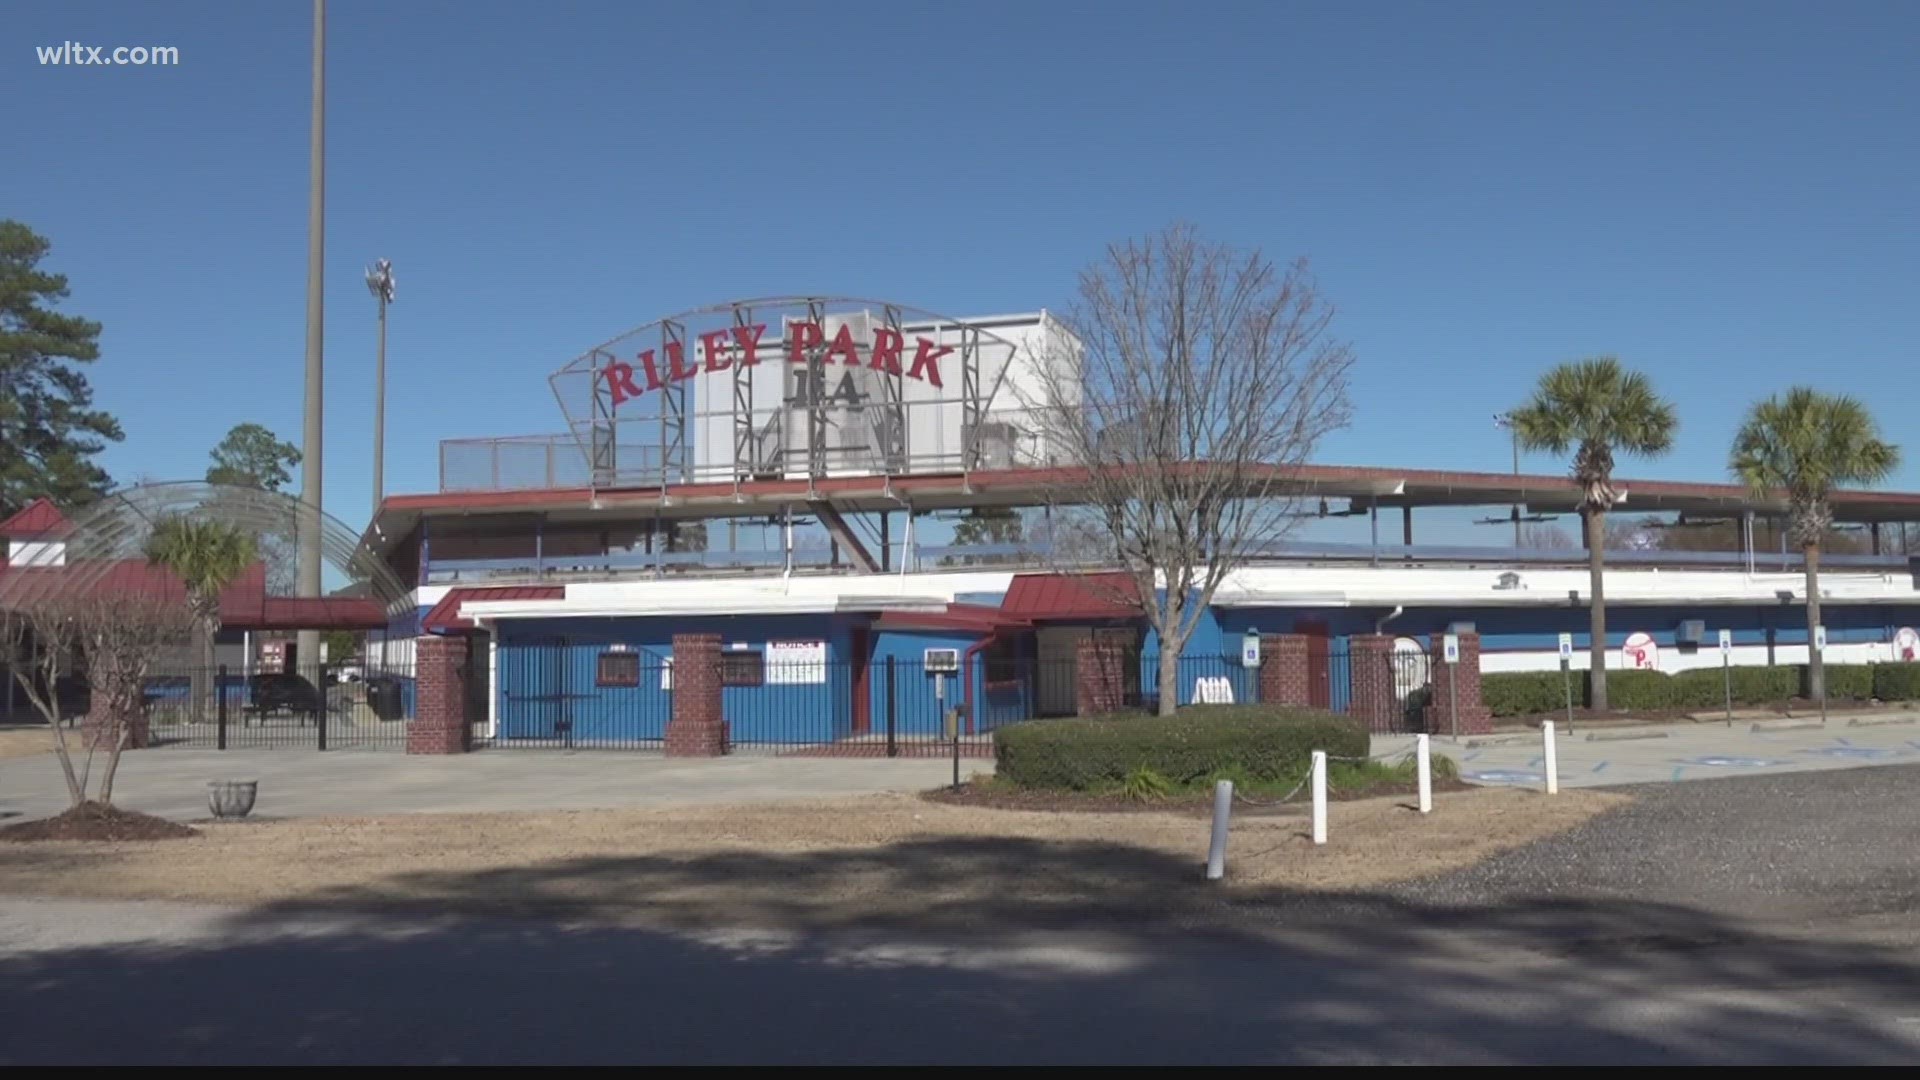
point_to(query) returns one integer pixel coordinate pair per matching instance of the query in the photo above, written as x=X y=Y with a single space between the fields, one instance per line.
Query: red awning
x=1060 y=597
x=445 y=615
x=965 y=618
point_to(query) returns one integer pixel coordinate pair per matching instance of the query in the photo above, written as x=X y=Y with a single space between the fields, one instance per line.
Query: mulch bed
x=93 y=821
x=999 y=796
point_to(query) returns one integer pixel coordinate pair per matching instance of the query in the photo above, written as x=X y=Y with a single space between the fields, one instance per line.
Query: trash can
x=383 y=696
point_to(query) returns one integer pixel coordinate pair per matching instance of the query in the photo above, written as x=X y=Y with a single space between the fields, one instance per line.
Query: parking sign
x=1726 y=641
x=1450 y=648
x=1820 y=638
x=1566 y=646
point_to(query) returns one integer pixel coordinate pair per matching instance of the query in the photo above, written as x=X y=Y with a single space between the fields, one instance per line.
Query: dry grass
x=817 y=863
x=25 y=742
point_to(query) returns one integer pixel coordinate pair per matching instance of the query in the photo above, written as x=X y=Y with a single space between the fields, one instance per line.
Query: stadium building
x=853 y=497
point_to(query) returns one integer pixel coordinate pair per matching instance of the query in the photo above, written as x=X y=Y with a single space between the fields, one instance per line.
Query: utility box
x=1691 y=633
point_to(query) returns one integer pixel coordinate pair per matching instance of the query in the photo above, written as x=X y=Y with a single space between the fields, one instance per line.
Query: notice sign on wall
x=796 y=662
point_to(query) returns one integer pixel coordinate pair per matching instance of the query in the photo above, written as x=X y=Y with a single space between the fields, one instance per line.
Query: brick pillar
x=1284 y=678
x=697 y=729
x=1474 y=717
x=1372 y=697
x=1100 y=677
x=439 y=724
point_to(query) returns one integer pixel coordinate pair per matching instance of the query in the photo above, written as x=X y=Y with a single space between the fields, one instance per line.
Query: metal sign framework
x=765 y=441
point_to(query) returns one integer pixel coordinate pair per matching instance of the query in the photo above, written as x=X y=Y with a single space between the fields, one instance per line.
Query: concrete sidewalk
x=301 y=783
x=1669 y=752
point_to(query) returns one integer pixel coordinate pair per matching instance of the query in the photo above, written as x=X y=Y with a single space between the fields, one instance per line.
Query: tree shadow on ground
x=952 y=951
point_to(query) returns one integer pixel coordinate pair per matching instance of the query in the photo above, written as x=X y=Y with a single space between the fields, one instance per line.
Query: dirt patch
x=885 y=860
x=93 y=823
x=997 y=795
x=25 y=742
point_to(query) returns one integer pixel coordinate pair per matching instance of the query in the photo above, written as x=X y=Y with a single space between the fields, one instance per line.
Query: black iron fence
x=316 y=707
x=589 y=695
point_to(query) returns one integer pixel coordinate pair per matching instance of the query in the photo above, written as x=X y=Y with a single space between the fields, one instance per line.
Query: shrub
x=1896 y=682
x=1633 y=690
x=1847 y=682
x=1251 y=742
x=1522 y=693
x=1765 y=685
x=1143 y=784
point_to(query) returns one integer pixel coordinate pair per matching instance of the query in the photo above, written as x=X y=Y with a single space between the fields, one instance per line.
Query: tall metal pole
x=380 y=283
x=1505 y=420
x=308 y=579
x=380 y=412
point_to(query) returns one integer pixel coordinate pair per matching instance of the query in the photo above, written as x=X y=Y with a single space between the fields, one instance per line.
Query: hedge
x=1847 y=682
x=1253 y=741
x=1524 y=693
x=1896 y=682
x=1530 y=693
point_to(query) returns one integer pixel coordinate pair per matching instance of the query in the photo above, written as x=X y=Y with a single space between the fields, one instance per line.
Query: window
x=617 y=669
x=743 y=667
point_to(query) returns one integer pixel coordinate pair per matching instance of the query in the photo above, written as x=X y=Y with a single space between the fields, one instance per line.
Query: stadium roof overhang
x=1367 y=486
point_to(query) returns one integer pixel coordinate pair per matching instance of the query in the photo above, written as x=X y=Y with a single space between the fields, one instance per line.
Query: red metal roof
x=445 y=615
x=966 y=618
x=38 y=518
x=244 y=604
x=1037 y=597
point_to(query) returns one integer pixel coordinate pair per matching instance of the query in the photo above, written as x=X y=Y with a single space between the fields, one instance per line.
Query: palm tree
x=1806 y=444
x=206 y=556
x=1596 y=407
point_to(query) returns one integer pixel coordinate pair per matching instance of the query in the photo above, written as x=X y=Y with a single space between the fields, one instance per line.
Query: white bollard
x=1217 y=848
x=1319 y=796
x=1552 y=756
x=1423 y=756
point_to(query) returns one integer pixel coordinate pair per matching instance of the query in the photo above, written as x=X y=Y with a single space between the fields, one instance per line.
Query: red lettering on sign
x=886 y=351
x=677 y=362
x=806 y=335
x=924 y=355
x=620 y=382
x=715 y=345
x=653 y=373
x=749 y=339
x=844 y=347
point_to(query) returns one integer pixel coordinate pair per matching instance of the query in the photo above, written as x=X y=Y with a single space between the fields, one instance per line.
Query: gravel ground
x=877 y=860
x=1808 y=849
x=1714 y=922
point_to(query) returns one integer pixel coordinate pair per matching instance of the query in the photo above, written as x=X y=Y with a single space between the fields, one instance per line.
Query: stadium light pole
x=380 y=284
x=308 y=564
x=1505 y=420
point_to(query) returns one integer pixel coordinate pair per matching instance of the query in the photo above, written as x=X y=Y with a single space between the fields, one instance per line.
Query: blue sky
x=1721 y=194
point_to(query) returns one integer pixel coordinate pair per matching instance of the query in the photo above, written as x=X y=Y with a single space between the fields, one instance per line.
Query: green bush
x=1249 y=742
x=1522 y=693
x=1635 y=690
x=1532 y=693
x=1847 y=682
x=1896 y=682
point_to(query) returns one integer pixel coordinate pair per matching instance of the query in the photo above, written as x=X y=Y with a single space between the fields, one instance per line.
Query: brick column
x=1100 y=677
x=697 y=729
x=1474 y=717
x=1371 y=692
x=439 y=724
x=1284 y=678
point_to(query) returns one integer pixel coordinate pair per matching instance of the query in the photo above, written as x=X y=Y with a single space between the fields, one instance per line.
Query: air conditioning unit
x=941 y=661
x=1691 y=632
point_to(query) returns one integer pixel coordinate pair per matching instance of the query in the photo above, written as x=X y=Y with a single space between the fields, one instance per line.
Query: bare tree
x=114 y=638
x=1201 y=378
x=1543 y=536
